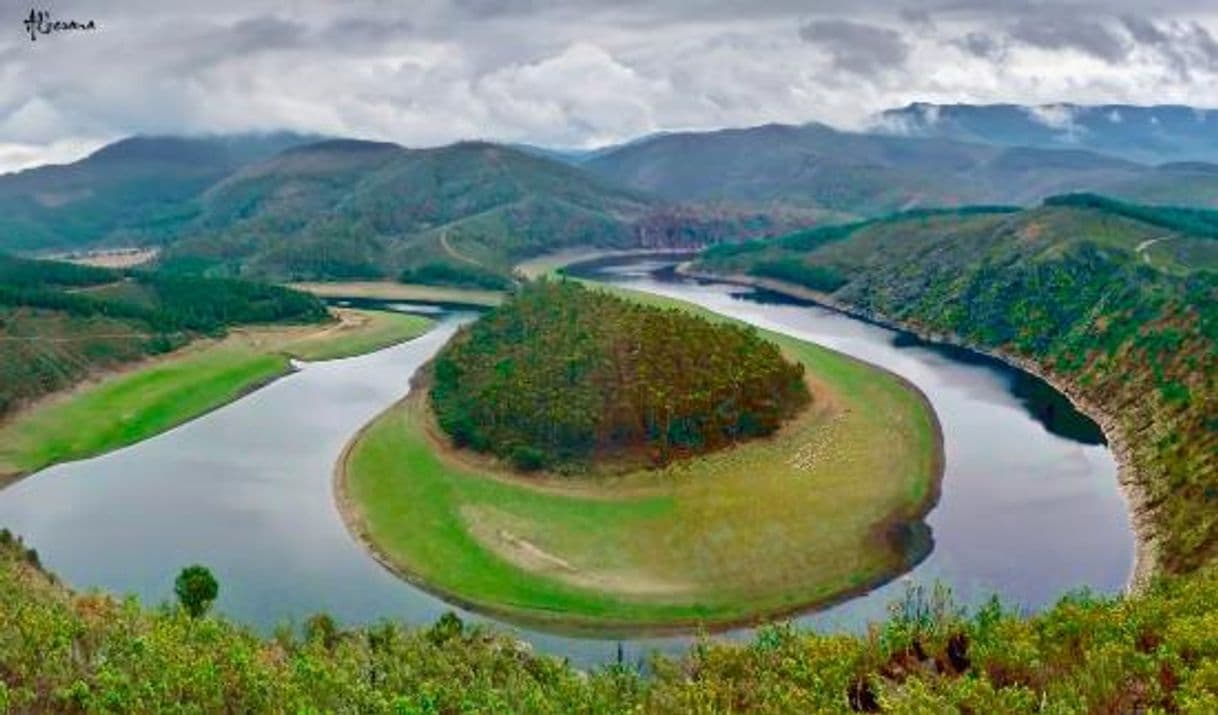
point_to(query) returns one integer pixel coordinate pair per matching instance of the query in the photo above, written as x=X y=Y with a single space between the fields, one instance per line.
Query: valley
x=1006 y=353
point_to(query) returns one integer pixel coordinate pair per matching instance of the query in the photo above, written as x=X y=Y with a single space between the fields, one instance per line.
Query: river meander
x=1030 y=506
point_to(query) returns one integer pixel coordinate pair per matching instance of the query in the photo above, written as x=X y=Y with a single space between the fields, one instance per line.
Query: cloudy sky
x=570 y=73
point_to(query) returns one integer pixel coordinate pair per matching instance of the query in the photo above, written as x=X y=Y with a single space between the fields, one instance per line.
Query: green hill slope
x=1119 y=302
x=360 y=209
x=136 y=190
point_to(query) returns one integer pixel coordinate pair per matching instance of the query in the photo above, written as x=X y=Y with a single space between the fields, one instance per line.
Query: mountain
x=135 y=190
x=459 y=214
x=364 y=209
x=1156 y=134
x=862 y=174
x=1113 y=299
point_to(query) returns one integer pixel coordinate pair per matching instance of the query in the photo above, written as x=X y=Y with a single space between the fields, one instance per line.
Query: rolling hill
x=137 y=190
x=461 y=214
x=363 y=209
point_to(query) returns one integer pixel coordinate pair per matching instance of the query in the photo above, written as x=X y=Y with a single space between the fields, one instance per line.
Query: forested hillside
x=1118 y=301
x=560 y=374
x=134 y=191
x=458 y=215
x=60 y=322
x=346 y=209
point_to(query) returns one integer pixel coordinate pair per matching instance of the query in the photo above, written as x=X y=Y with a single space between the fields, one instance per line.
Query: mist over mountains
x=1153 y=135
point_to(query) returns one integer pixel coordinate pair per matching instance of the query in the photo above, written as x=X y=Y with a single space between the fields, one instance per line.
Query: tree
x=196 y=589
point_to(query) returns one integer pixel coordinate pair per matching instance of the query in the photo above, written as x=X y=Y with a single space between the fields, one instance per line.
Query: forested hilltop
x=61 y=322
x=1116 y=300
x=561 y=374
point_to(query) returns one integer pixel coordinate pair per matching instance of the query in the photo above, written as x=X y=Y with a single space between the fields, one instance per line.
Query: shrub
x=196 y=589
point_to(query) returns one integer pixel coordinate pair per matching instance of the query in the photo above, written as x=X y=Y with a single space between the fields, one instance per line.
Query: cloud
x=857 y=47
x=575 y=72
x=981 y=44
x=1062 y=31
x=1054 y=116
x=1185 y=46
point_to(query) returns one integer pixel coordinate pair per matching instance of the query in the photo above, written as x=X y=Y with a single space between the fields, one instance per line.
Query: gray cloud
x=572 y=72
x=981 y=44
x=1184 y=46
x=857 y=47
x=1065 y=32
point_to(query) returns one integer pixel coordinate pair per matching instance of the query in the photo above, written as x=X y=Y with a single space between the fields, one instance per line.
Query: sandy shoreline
x=1128 y=479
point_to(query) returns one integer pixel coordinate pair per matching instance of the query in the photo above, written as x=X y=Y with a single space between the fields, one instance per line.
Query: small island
x=599 y=460
x=570 y=378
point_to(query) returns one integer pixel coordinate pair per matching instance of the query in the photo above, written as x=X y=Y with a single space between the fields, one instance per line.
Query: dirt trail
x=455 y=253
x=1145 y=245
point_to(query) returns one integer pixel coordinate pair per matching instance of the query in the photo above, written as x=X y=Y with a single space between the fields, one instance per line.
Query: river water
x=1029 y=509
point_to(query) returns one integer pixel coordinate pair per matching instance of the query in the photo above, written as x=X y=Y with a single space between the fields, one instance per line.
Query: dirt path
x=1145 y=245
x=455 y=253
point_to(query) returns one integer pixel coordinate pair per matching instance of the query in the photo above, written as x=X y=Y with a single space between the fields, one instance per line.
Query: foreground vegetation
x=772 y=525
x=561 y=374
x=1115 y=300
x=65 y=652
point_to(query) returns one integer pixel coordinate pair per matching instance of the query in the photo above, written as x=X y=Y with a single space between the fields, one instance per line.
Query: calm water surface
x=1030 y=506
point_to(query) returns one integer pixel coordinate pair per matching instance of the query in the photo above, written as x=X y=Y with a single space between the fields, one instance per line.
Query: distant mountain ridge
x=869 y=174
x=1147 y=134
x=286 y=206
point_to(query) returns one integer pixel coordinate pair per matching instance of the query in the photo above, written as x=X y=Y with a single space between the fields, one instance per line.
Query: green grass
x=132 y=406
x=770 y=526
x=363 y=332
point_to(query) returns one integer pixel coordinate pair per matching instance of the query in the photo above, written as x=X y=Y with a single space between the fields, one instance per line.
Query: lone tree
x=196 y=589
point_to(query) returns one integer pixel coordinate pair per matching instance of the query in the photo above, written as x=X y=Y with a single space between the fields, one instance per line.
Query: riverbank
x=121 y=407
x=1141 y=521
x=388 y=290
x=550 y=263
x=806 y=518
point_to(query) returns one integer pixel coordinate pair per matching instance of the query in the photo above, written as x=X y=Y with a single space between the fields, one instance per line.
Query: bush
x=527 y=459
x=196 y=589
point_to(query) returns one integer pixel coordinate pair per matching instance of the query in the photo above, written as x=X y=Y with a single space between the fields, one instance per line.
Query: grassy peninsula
x=769 y=525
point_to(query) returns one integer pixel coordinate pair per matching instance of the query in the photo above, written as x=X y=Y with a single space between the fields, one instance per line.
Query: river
x=1030 y=506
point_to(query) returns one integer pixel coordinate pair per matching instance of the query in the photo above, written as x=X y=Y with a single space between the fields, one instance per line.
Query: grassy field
x=771 y=526
x=135 y=404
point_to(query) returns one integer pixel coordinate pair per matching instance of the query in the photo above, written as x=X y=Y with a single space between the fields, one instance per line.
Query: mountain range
x=285 y=206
